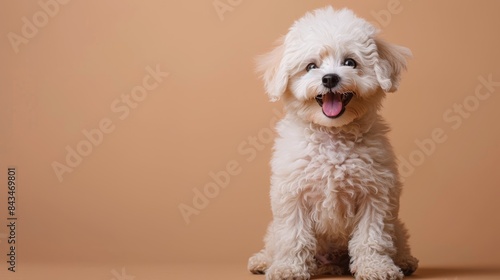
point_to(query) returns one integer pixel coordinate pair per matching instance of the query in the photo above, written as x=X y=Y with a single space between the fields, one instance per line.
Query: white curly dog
x=335 y=186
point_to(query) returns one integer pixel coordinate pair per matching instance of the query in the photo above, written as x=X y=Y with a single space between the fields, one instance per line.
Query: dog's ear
x=271 y=67
x=392 y=61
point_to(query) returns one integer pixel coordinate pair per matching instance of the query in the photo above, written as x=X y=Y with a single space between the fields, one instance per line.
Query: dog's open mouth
x=333 y=103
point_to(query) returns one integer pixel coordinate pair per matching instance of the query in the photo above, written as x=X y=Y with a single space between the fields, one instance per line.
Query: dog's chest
x=334 y=173
x=331 y=157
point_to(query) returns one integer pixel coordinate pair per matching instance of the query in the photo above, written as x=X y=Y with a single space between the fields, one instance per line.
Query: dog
x=335 y=185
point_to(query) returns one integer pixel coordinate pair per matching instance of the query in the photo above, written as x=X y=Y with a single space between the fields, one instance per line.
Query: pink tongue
x=332 y=104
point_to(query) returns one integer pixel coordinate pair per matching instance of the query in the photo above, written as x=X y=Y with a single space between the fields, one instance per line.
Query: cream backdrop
x=117 y=114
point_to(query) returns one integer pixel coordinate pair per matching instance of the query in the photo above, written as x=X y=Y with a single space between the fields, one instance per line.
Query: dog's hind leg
x=403 y=258
x=259 y=262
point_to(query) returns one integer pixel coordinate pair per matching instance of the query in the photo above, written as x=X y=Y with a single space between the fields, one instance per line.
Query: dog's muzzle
x=333 y=103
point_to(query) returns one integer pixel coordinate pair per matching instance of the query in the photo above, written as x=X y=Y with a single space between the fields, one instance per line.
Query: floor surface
x=204 y=272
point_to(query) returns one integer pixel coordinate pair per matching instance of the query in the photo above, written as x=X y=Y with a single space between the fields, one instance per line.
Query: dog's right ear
x=273 y=72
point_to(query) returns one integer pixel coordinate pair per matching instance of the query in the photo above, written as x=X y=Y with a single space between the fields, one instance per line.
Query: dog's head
x=331 y=69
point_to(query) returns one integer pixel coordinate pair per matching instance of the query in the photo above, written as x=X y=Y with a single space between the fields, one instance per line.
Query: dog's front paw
x=377 y=268
x=287 y=272
x=408 y=264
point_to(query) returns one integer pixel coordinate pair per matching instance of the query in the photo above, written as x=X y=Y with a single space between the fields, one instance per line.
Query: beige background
x=119 y=206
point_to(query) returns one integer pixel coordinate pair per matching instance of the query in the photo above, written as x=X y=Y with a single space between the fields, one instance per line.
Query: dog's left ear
x=392 y=61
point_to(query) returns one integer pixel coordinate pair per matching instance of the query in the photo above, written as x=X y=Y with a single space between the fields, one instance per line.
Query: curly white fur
x=335 y=186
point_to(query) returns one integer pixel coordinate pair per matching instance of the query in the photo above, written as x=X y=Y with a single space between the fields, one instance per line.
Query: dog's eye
x=350 y=62
x=311 y=66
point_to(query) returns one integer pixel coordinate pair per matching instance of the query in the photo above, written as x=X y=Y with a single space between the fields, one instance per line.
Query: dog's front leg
x=292 y=241
x=371 y=245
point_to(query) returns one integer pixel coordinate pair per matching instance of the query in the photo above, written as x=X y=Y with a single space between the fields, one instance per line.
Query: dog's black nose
x=330 y=80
